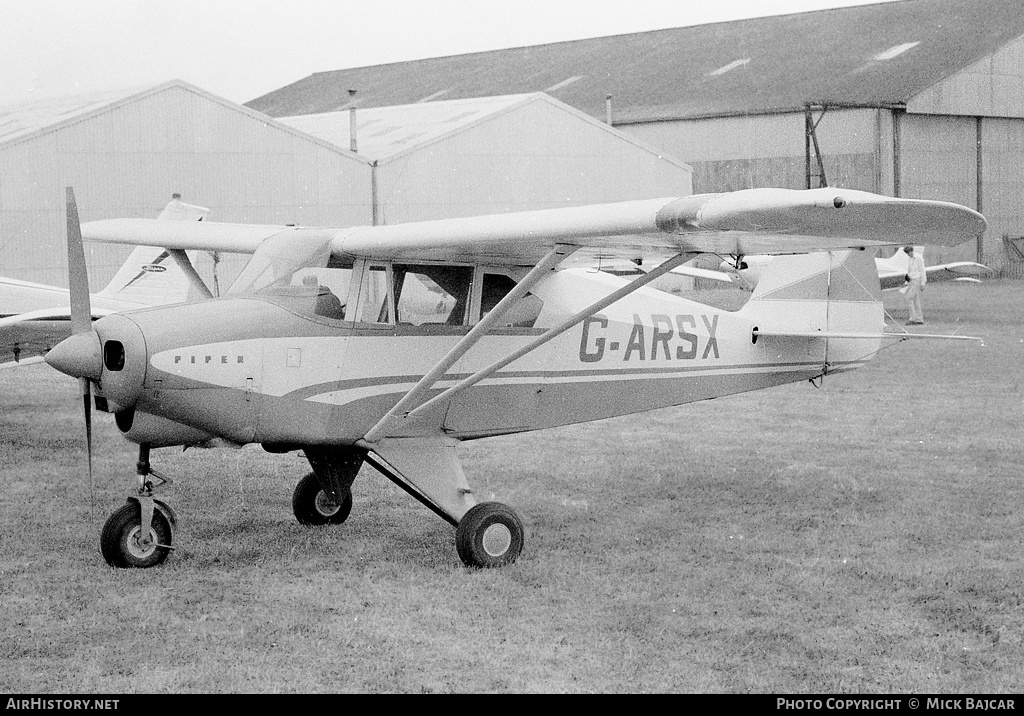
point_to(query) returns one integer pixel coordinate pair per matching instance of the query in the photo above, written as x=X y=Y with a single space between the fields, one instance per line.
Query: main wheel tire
x=489 y=535
x=313 y=506
x=119 y=540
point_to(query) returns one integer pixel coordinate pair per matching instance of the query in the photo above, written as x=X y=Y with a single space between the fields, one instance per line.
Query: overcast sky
x=242 y=49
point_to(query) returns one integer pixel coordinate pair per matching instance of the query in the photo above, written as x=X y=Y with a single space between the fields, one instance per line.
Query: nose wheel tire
x=123 y=544
x=489 y=535
x=312 y=505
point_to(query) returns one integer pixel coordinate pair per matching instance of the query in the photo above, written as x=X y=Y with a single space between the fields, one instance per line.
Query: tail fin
x=150 y=276
x=179 y=210
x=828 y=299
x=899 y=262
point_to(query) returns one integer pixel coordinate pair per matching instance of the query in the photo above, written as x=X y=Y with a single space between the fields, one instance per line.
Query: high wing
x=34 y=317
x=753 y=221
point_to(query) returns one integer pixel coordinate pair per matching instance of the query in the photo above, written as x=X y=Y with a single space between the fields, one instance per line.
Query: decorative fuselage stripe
x=348 y=390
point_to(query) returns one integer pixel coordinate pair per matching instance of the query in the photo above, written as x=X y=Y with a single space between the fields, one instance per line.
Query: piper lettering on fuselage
x=654 y=337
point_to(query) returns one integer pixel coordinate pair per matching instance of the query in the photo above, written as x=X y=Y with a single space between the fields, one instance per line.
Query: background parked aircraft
x=34 y=317
x=746 y=271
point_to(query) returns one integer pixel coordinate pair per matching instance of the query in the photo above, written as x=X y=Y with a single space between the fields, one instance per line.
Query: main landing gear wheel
x=312 y=505
x=489 y=535
x=122 y=543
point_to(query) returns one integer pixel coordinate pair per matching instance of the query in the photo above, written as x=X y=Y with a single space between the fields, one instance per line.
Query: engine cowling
x=152 y=430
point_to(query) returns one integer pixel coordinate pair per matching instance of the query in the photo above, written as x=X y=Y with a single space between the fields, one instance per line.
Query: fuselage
x=257 y=370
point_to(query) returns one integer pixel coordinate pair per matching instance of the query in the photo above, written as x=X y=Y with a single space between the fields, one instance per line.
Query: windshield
x=292 y=270
x=279 y=257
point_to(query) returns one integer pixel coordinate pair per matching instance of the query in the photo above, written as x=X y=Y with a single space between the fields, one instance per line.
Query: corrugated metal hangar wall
x=125 y=157
x=921 y=98
x=938 y=147
x=538 y=154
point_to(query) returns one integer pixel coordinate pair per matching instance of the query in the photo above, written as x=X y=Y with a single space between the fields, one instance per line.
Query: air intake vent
x=113 y=355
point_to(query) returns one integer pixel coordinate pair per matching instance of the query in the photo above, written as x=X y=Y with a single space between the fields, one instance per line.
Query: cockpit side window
x=374 y=302
x=428 y=294
x=521 y=314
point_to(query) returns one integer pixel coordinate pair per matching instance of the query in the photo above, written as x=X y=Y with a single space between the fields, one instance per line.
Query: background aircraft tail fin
x=179 y=210
x=150 y=276
x=899 y=262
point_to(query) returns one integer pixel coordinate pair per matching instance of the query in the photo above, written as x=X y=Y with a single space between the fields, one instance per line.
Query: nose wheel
x=139 y=534
x=125 y=543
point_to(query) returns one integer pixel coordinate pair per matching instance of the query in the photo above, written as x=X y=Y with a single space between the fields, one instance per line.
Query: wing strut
x=550 y=260
x=181 y=258
x=554 y=332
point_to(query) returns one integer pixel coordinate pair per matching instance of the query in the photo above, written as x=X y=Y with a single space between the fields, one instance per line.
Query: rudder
x=830 y=292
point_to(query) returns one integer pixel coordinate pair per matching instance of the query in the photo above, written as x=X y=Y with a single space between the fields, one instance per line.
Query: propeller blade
x=87 y=407
x=78 y=276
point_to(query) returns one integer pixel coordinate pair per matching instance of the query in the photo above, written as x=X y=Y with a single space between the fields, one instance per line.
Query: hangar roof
x=871 y=55
x=24 y=118
x=386 y=132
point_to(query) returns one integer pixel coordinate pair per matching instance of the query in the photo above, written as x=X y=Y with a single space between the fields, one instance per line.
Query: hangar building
x=125 y=153
x=917 y=98
x=435 y=160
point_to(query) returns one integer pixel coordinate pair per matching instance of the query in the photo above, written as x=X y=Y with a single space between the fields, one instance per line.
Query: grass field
x=864 y=537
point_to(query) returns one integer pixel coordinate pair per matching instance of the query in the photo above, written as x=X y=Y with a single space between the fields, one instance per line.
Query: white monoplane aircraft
x=520 y=344
x=34 y=317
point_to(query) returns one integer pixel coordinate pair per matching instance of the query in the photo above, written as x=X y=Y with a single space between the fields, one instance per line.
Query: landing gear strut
x=487 y=534
x=139 y=534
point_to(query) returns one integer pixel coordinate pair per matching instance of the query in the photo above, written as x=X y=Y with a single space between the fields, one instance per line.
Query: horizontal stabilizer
x=757 y=333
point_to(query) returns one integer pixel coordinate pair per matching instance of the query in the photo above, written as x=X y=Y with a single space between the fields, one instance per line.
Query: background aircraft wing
x=752 y=221
x=958 y=270
x=940 y=272
x=26 y=337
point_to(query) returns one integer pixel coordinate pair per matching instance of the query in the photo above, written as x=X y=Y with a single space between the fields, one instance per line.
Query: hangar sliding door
x=938 y=159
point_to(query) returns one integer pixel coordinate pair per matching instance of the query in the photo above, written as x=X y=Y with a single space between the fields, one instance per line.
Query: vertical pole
x=608 y=109
x=352 y=121
x=980 y=249
x=896 y=153
x=374 y=197
x=807 y=146
x=878 y=151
